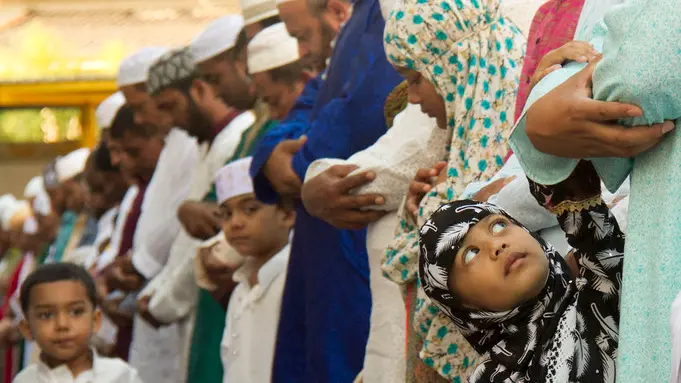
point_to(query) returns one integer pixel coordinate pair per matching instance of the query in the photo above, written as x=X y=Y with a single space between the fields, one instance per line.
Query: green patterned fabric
x=68 y=221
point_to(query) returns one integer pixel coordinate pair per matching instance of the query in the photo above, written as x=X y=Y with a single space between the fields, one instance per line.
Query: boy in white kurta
x=58 y=302
x=260 y=233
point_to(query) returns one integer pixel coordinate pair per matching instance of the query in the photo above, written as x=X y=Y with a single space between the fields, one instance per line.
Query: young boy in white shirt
x=260 y=233
x=58 y=301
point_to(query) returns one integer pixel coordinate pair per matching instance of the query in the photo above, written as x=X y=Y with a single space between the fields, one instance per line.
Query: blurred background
x=58 y=60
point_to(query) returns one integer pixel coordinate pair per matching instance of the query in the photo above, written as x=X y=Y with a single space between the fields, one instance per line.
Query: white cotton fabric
x=158 y=224
x=252 y=320
x=218 y=37
x=34 y=187
x=109 y=254
x=234 y=180
x=153 y=352
x=173 y=291
x=105 y=229
x=106 y=111
x=272 y=48
x=104 y=370
x=257 y=10
x=71 y=164
x=16 y=208
x=30 y=226
x=6 y=201
x=134 y=68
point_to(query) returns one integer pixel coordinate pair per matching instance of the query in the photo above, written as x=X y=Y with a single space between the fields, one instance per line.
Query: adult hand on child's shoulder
x=567 y=122
x=327 y=197
x=423 y=182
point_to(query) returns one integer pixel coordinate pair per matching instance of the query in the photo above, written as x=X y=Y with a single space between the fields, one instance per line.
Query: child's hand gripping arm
x=589 y=226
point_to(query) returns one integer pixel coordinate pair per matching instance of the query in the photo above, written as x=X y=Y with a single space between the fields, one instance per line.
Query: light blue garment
x=641 y=51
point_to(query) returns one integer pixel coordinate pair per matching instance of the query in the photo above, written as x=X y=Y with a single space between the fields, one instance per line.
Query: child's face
x=253 y=228
x=61 y=319
x=498 y=266
x=423 y=93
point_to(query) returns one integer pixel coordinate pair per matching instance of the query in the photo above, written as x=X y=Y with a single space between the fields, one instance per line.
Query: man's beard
x=199 y=126
x=327 y=35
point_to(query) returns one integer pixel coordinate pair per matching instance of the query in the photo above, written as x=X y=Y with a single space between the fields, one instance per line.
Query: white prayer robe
x=158 y=224
x=252 y=321
x=173 y=291
x=675 y=325
x=105 y=229
x=110 y=253
x=153 y=352
x=104 y=370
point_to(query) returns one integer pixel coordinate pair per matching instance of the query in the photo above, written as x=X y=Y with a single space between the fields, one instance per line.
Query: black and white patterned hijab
x=512 y=337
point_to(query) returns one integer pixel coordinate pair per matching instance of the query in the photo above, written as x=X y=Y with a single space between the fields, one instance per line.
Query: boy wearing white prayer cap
x=33 y=188
x=260 y=233
x=276 y=69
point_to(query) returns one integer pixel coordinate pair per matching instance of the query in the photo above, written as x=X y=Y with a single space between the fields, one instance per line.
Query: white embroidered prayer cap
x=257 y=10
x=14 y=214
x=283 y=1
x=72 y=164
x=30 y=225
x=34 y=187
x=272 y=48
x=234 y=180
x=42 y=204
x=218 y=37
x=106 y=111
x=134 y=68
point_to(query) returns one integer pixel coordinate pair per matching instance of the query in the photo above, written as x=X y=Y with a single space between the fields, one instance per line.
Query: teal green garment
x=68 y=220
x=641 y=54
x=205 y=363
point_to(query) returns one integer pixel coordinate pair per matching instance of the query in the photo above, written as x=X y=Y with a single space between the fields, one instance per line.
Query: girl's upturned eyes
x=498 y=227
x=469 y=254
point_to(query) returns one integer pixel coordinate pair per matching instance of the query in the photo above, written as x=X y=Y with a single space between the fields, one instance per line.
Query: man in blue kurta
x=326 y=306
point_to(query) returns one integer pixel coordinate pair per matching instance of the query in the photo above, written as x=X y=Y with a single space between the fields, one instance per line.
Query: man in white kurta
x=172 y=293
x=154 y=351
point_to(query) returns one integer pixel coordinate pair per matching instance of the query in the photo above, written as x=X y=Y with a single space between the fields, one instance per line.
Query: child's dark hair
x=56 y=272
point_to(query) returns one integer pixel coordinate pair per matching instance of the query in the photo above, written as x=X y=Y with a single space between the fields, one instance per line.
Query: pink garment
x=553 y=25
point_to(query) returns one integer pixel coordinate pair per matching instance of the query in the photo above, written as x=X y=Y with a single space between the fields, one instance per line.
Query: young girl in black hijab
x=511 y=294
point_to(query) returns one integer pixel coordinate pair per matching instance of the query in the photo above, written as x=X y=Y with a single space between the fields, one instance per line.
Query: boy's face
x=498 y=266
x=278 y=95
x=61 y=319
x=253 y=228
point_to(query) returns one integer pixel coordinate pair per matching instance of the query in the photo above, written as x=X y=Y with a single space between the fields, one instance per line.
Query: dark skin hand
x=424 y=181
x=279 y=169
x=327 y=197
x=143 y=311
x=123 y=276
x=567 y=122
x=110 y=306
x=201 y=220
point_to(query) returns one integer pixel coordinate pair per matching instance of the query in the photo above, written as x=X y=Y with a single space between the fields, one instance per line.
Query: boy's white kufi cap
x=134 y=68
x=272 y=48
x=218 y=37
x=234 y=180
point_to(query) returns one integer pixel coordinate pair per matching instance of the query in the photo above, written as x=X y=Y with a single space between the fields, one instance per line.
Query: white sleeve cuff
x=145 y=264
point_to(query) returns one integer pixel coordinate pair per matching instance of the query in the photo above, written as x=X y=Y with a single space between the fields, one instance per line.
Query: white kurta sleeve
x=413 y=142
x=158 y=224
